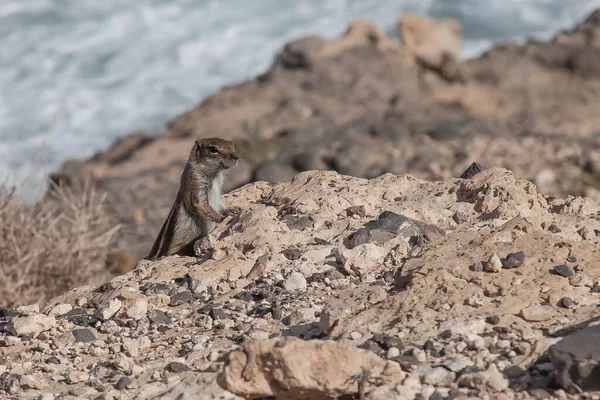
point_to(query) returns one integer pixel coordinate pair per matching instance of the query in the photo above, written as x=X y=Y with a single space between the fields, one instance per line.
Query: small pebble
x=566 y=302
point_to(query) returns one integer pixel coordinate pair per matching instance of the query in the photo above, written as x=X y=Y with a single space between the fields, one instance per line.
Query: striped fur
x=198 y=203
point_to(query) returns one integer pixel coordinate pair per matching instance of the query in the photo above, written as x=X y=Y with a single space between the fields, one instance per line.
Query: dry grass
x=47 y=248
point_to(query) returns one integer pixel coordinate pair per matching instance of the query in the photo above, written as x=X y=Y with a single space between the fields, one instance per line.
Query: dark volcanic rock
x=563 y=270
x=576 y=360
x=83 y=335
x=514 y=260
x=473 y=170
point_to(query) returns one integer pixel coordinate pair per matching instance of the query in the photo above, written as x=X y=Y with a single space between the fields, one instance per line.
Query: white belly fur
x=214 y=193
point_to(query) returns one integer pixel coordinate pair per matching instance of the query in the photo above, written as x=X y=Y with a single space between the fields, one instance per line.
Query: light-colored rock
x=108 y=309
x=31 y=309
x=436 y=44
x=295 y=281
x=493 y=264
x=537 y=313
x=490 y=379
x=33 y=324
x=475 y=326
x=60 y=309
x=438 y=376
x=306 y=369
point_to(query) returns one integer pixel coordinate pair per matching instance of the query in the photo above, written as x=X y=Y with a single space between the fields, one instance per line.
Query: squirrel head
x=213 y=155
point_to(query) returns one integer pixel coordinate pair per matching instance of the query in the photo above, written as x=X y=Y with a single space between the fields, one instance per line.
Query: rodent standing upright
x=198 y=204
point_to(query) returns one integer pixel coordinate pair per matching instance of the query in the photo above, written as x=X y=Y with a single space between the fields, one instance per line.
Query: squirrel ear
x=197 y=146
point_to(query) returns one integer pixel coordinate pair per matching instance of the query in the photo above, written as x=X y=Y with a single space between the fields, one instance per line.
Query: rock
x=493 y=320
x=580 y=279
x=491 y=379
x=307 y=370
x=389 y=225
x=177 y=367
x=28 y=310
x=300 y=53
x=457 y=365
x=159 y=317
x=33 y=324
x=563 y=270
x=295 y=281
x=108 y=310
x=438 y=376
x=259 y=268
x=477 y=266
x=566 y=302
x=10 y=383
x=360 y=33
x=83 y=335
x=475 y=326
x=181 y=298
x=514 y=260
x=60 y=309
x=459 y=217
x=435 y=44
x=576 y=360
x=135 y=305
x=493 y=264
x=386 y=341
x=124 y=383
x=359 y=211
x=473 y=170
x=78 y=376
x=537 y=313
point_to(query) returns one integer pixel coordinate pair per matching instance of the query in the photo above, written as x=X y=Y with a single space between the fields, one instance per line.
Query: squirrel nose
x=235 y=156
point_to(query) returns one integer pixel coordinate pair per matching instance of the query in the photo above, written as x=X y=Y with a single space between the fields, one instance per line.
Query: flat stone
x=60 y=309
x=181 y=298
x=31 y=309
x=563 y=270
x=33 y=324
x=83 y=335
x=476 y=326
x=580 y=279
x=159 y=317
x=177 y=367
x=389 y=225
x=537 y=313
x=298 y=223
x=458 y=364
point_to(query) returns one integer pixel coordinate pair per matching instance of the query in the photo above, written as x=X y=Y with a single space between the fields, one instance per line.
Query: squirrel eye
x=213 y=149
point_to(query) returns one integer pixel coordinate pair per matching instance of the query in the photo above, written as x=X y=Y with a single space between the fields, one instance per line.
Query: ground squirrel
x=198 y=204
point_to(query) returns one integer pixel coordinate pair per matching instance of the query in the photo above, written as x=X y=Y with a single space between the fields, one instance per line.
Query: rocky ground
x=364 y=105
x=331 y=286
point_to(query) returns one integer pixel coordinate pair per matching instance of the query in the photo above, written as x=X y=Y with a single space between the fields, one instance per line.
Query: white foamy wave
x=127 y=65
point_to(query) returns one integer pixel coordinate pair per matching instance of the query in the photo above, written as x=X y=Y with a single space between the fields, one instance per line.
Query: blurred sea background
x=125 y=65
